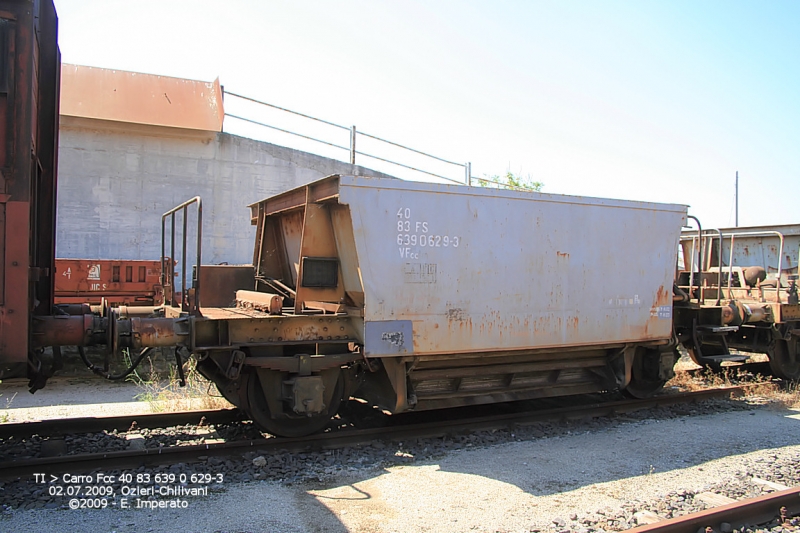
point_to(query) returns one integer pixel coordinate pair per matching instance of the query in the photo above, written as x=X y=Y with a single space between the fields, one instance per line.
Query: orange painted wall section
x=123 y=96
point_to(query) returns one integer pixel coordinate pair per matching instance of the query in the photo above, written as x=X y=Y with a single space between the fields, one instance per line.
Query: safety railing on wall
x=354 y=136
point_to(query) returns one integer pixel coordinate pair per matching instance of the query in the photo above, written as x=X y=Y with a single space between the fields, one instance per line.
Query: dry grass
x=760 y=389
x=4 y=416
x=788 y=397
x=166 y=394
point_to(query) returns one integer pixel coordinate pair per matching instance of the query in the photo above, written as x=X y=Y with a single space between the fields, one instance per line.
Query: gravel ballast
x=591 y=476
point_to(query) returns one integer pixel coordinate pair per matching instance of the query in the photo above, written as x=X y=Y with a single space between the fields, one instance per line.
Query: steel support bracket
x=302 y=364
x=235 y=364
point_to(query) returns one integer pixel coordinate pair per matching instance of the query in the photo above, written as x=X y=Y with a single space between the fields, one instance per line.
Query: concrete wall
x=115 y=181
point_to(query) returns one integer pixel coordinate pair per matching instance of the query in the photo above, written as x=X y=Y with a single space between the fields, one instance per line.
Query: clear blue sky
x=659 y=101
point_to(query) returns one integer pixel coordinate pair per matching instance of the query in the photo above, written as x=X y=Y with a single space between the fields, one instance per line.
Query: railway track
x=134 y=458
x=764 y=512
x=92 y=424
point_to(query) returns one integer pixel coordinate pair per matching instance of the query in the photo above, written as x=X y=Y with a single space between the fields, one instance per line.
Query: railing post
x=468 y=168
x=184 y=296
x=163 y=277
x=172 y=258
x=196 y=282
x=183 y=208
x=353 y=146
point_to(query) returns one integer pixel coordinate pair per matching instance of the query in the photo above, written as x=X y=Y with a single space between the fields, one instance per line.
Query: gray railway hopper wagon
x=424 y=296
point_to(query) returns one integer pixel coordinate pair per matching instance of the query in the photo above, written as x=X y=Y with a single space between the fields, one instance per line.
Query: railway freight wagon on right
x=737 y=290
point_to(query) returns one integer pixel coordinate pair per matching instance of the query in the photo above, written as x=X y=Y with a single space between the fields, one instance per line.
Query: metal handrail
x=352 y=149
x=410 y=149
x=705 y=263
x=285 y=131
x=408 y=167
x=353 y=134
x=701 y=296
x=171 y=213
x=732 y=235
x=287 y=110
x=719 y=274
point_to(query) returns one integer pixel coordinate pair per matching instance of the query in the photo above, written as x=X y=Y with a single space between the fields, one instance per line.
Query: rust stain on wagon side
x=573 y=323
x=662 y=297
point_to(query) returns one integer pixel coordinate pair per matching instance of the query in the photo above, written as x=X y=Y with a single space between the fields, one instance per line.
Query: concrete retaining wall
x=115 y=181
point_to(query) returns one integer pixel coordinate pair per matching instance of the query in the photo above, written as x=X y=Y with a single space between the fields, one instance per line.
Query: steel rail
x=751 y=512
x=339 y=439
x=94 y=424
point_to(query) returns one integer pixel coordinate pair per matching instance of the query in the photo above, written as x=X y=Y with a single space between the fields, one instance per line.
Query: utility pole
x=737 y=199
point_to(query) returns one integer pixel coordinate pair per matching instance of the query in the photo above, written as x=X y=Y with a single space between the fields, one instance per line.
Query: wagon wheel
x=292 y=424
x=645 y=374
x=784 y=359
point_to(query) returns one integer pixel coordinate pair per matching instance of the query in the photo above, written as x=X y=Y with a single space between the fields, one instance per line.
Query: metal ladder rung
x=727 y=358
x=717 y=329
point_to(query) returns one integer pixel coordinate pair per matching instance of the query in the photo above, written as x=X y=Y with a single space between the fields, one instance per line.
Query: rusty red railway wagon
x=112 y=281
x=29 y=88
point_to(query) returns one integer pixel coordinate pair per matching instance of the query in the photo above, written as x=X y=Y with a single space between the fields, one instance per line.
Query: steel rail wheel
x=288 y=424
x=784 y=359
x=645 y=374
